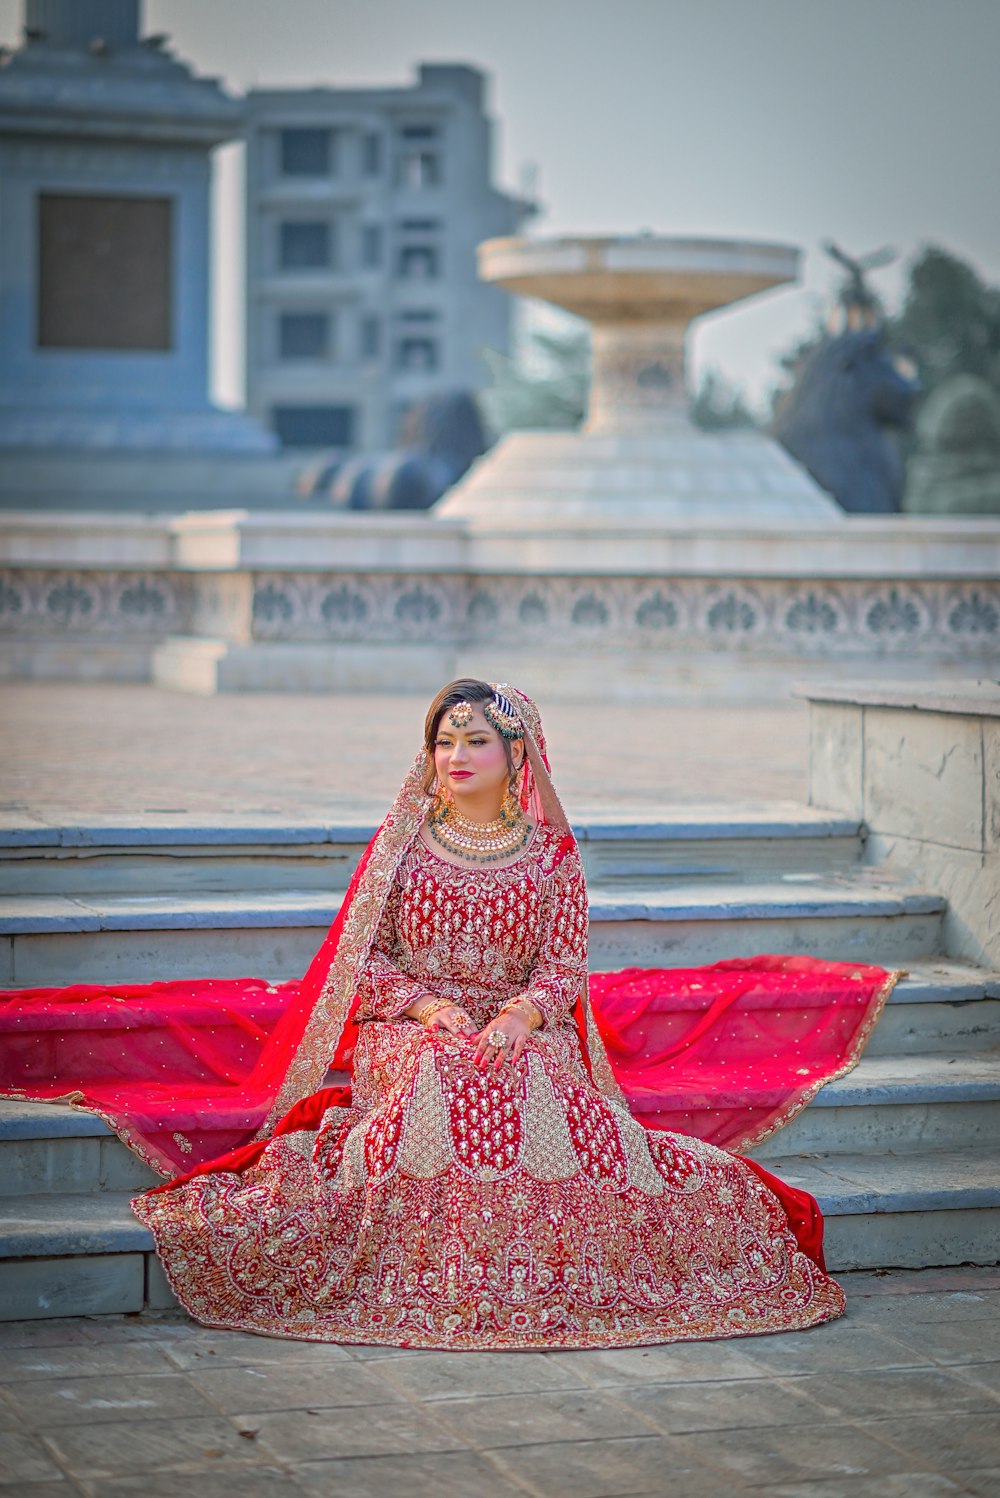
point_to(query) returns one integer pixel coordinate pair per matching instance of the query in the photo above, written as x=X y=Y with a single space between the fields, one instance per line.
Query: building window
x=306 y=153
x=371 y=245
x=419 y=163
x=417 y=351
x=419 y=169
x=304 y=335
x=371 y=336
x=418 y=346
x=371 y=154
x=419 y=262
x=314 y=426
x=105 y=272
x=418 y=257
x=305 y=246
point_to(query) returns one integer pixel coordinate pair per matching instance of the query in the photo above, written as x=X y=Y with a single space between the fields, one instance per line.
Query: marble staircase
x=903 y=1153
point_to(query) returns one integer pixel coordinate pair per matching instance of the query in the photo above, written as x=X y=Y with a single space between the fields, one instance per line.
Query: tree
x=950 y=320
x=548 y=391
x=718 y=406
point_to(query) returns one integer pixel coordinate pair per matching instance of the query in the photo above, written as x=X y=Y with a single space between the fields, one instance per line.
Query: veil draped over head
x=187 y=1071
x=192 y=1071
x=327 y=996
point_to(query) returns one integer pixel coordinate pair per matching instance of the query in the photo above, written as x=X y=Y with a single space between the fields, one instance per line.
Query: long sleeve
x=384 y=989
x=558 y=976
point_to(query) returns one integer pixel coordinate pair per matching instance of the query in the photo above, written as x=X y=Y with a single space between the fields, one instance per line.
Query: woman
x=483 y=1184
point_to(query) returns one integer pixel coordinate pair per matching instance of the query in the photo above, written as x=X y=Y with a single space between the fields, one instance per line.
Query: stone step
x=942 y=1007
x=938 y=1006
x=899 y=1104
x=911 y=1210
x=74 y=1255
x=177 y=853
x=893 y=1103
x=53 y=939
x=52 y=1149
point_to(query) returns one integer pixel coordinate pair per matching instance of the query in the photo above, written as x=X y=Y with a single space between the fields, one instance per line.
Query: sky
x=871 y=122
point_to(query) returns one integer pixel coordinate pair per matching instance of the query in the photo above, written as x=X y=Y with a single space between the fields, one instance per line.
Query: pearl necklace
x=479 y=842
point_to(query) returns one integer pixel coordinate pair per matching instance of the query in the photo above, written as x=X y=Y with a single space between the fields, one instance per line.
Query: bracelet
x=429 y=1010
x=535 y=1017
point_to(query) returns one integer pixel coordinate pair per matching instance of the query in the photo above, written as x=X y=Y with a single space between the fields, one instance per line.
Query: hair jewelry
x=461 y=715
x=500 y=715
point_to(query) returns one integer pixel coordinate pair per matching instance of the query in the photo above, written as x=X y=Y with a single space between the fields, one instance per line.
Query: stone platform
x=897 y=1400
x=79 y=753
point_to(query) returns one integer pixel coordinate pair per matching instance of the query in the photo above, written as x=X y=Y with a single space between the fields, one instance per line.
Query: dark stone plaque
x=104 y=272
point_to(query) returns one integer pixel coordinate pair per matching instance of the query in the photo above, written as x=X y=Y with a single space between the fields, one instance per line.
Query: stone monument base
x=162 y=481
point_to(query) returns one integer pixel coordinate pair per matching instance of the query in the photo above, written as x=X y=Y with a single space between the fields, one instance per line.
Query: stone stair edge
x=929 y=1077
x=708 y=900
x=968 y=987
x=926 y=980
x=782 y=820
x=848 y=1185
x=41 y=1227
x=934 y=1181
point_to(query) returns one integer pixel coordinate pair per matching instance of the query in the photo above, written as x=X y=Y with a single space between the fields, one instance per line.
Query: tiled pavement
x=74 y=753
x=900 y=1399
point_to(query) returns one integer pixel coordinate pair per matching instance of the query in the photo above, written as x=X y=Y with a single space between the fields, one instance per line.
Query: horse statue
x=441 y=438
x=851 y=396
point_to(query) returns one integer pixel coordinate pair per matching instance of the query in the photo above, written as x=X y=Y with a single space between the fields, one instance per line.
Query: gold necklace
x=479 y=842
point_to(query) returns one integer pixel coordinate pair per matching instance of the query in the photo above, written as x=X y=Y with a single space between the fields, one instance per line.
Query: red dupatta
x=195 y=1071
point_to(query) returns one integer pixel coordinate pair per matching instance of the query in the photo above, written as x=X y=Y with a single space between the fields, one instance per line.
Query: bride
x=483 y=1183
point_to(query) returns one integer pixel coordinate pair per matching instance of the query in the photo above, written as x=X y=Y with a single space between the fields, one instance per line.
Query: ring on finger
x=498 y=1039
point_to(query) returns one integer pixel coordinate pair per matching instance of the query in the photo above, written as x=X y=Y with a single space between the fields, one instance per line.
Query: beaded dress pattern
x=455 y=1207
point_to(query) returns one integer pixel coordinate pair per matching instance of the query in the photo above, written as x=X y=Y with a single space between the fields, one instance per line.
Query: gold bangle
x=535 y=1017
x=429 y=1010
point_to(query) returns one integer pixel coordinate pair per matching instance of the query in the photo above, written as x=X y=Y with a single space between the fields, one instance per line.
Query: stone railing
x=317 y=602
x=920 y=766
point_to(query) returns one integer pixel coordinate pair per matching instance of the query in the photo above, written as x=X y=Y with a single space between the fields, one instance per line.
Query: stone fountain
x=636 y=558
x=638 y=459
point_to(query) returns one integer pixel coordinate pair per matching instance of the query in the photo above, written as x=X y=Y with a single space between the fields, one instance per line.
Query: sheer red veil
x=186 y=1072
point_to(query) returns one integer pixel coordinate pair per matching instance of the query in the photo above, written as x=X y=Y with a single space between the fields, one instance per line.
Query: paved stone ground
x=74 y=752
x=900 y=1399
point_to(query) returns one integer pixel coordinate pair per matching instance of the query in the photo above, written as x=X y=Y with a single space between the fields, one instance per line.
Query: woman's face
x=469 y=759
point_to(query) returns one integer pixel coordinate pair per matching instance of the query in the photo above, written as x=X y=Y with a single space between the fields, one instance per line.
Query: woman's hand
x=453 y=1019
x=440 y=1014
x=511 y=1030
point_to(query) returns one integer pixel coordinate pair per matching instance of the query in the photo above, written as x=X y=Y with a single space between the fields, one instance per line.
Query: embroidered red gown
x=452 y=1207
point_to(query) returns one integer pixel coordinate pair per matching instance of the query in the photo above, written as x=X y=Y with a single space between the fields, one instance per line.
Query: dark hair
x=466 y=689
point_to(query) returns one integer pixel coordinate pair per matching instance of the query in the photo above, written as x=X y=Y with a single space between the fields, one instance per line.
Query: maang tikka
x=461 y=715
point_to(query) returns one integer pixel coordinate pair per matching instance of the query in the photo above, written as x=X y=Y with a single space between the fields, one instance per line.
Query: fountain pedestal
x=637 y=459
x=637 y=558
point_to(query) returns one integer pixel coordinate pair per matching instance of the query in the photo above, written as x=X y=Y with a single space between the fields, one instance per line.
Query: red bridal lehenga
x=589 y=1199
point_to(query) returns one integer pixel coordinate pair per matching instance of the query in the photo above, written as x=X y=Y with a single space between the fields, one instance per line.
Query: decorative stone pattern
x=125 y=604
x=792 y=618
x=772 y=616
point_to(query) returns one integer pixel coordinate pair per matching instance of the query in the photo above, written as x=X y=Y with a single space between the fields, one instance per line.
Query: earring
x=442 y=804
x=510 y=810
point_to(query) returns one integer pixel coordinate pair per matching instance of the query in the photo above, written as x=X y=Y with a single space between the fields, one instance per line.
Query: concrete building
x=364 y=209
